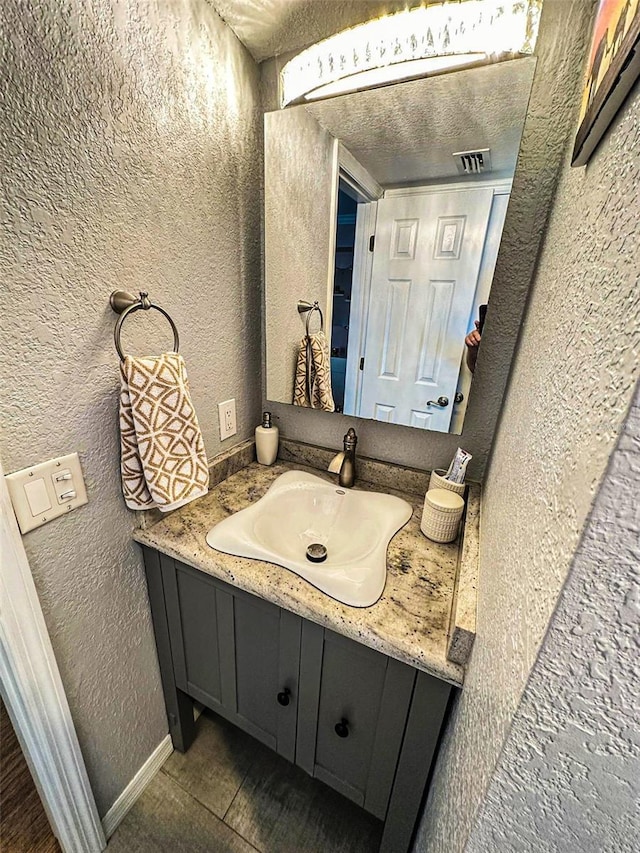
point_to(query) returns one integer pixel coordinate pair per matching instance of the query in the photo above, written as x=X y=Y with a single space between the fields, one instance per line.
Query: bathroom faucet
x=344 y=464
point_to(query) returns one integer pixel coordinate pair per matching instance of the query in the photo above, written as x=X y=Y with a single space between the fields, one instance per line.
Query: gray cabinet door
x=353 y=708
x=236 y=653
x=197 y=609
x=266 y=645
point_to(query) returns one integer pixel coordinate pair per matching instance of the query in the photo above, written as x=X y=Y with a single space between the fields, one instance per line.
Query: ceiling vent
x=473 y=162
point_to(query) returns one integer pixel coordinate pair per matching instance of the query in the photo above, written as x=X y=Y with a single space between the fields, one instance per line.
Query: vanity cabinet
x=363 y=723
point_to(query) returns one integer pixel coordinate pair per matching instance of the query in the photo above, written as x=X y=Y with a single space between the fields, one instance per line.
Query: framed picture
x=614 y=66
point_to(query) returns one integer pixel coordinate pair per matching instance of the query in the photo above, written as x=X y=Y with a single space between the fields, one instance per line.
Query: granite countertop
x=410 y=622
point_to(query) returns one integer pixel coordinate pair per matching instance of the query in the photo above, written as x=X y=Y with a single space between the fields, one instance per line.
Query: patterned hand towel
x=312 y=387
x=163 y=461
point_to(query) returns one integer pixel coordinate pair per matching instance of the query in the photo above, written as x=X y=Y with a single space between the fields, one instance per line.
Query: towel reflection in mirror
x=312 y=386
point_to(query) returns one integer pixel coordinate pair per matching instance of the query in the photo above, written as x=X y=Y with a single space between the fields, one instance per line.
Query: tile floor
x=230 y=794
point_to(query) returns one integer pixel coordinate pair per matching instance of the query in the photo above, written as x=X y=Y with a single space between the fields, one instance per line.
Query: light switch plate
x=38 y=494
x=227 y=418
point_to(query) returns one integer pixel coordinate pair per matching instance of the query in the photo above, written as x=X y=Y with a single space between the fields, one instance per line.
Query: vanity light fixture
x=420 y=42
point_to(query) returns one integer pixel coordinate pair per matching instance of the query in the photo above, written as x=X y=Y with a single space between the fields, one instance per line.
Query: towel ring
x=308 y=308
x=124 y=303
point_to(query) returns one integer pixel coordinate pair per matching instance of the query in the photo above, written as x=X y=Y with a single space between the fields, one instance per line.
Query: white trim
x=33 y=693
x=368 y=191
x=358 y=318
x=136 y=786
x=501 y=186
x=357 y=172
x=333 y=223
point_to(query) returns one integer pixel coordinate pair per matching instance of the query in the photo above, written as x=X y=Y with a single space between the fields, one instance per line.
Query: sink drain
x=316 y=553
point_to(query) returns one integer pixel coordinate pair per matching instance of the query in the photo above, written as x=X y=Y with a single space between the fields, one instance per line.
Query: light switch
x=46 y=491
x=37 y=496
x=62 y=480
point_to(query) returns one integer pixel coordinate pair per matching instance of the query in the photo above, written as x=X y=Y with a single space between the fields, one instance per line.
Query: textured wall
x=569 y=776
x=130 y=144
x=577 y=363
x=390 y=129
x=299 y=204
x=271 y=27
x=539 y=161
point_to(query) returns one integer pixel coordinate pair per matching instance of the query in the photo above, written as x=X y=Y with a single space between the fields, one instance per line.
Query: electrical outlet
x=227 y=418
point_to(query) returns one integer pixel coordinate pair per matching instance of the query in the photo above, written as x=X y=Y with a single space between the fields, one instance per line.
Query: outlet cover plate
x=227 y=418
x=44 y=498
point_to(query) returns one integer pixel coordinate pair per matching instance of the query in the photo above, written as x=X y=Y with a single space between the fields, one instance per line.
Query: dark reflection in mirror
x=345 y=243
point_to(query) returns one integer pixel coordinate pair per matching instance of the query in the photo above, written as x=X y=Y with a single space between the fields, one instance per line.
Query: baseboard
x=136 y=786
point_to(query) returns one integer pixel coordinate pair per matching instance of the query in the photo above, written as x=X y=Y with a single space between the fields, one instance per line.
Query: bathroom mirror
x=384 y=212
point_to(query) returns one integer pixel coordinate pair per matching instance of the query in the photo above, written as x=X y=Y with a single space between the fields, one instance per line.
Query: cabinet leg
x=181 y=724
x=179 y=705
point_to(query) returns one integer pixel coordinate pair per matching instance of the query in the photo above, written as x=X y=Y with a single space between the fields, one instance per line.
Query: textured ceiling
x=407 y=133
x=271 y=27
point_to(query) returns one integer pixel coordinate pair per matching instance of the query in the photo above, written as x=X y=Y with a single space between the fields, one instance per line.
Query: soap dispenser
x=266 y=440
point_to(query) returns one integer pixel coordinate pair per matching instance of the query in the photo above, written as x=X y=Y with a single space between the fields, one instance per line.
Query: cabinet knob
x=342 y=728
x=283 y=698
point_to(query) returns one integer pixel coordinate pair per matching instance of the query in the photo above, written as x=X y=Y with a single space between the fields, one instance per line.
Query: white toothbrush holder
x=437 y=481
x=441 y=515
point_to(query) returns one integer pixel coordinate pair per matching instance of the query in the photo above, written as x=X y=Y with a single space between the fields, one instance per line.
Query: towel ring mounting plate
x=308 y=308
x=124 y=303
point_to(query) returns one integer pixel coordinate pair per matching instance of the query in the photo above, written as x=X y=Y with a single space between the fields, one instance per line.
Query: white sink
x=301 y=510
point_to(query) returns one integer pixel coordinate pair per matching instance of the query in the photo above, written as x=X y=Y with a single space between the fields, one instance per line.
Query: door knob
x=442 y=402
x=342 y=728
x=283 y=698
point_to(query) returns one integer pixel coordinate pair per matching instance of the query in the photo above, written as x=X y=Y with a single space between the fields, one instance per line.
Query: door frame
x=367 y=191
x=498 y=184
x=33 y=693
x=360 y=289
